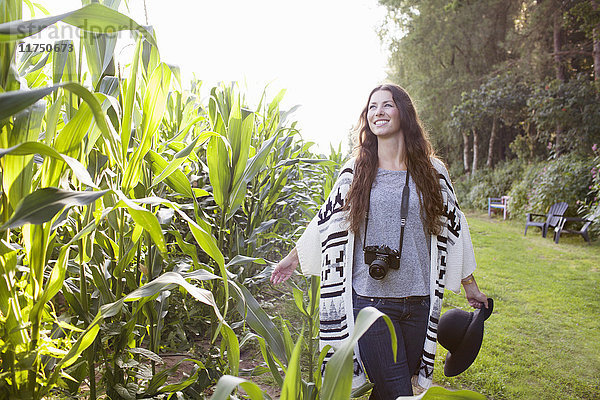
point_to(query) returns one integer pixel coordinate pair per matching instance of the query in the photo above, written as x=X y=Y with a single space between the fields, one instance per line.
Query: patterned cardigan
x=452 y=259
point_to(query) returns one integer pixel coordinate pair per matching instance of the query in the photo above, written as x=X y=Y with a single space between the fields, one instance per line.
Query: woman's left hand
x=476 y=298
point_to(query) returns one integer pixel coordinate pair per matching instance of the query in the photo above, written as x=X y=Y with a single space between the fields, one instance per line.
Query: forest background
x=509 y=93
x=139 y=212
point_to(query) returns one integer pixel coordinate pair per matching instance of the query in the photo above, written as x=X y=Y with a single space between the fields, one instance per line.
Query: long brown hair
x=418 y=161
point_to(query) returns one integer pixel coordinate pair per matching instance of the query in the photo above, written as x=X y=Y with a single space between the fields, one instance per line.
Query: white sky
x=325 y=53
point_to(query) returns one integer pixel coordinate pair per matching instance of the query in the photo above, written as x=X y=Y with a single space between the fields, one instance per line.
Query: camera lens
x=378 y=268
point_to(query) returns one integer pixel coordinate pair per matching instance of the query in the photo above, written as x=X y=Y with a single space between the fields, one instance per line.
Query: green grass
x=543 y=339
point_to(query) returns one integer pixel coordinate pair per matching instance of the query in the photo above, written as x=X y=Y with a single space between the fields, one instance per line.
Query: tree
x=445 y=48
x=574 y=105
x=501 y=102
x=497 y=51
x=467 y=118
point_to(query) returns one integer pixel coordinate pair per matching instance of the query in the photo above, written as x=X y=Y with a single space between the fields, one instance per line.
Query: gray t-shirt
x=412 y=279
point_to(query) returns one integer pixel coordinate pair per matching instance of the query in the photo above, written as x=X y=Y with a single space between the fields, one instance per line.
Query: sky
x=326 y=53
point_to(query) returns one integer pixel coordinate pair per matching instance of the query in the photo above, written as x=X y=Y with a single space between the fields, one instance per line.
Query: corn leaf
x=83 y=343
x=361 y=390
x=59 y=59
x=57 y=276
x=292 y=382
x=271 y=363
x=183 y=132
x=17 y=173
x=9 y=298
x=227 y=384
x=254 y=166
x=287 y=340
x=145 y=219
x=299 y=300
x=43 y=204
x=187 y=248
x=337 y=380
x=176 y=387
x=91 y=18
x=155 y=100
x=175 y=178
x=206 y=241
x=52 y=116
x=293 y=161
x=172 y=278
x=30 y=148
x=129 y=99
x=156 y=383
x=218 y=158
x=15 y=101
x=239 y=259
x=33 y=62
x=150 y=56
x=317 y=372
x=99 y=49
x=233 y=348
x=177 y=160
x=274 y=105
x=259 y=321
x=239 y=134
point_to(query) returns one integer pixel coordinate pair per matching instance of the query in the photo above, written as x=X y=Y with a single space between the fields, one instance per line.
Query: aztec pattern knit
x=326 y=248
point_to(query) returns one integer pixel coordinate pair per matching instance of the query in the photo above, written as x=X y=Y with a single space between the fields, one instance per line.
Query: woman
x=413 y=243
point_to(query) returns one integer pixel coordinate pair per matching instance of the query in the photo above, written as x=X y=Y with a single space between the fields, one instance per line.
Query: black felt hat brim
x=464 y=355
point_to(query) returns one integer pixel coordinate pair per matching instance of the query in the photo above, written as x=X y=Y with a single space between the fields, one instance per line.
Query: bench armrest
x=530 y=215
x=576 y=219
x=564 y=220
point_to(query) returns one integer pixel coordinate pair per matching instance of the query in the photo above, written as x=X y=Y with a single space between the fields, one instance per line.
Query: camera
x=380 y=259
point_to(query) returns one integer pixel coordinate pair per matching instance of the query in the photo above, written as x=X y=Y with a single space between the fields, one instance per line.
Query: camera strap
x=403 y=215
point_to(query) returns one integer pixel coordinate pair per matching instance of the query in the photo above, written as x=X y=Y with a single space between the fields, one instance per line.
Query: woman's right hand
x=285 y=268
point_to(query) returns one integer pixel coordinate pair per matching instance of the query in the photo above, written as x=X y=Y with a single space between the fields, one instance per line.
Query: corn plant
x=253 y=165
x=118 y=243
x=337 y=379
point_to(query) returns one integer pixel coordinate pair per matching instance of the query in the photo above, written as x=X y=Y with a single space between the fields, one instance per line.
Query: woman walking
x=391 y=236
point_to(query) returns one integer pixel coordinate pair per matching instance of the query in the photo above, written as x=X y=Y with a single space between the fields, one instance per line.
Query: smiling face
x=383 y=114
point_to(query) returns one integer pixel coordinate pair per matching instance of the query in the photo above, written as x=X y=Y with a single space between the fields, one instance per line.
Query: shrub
x=566 y=178
x=591 y=208
x=473 y=191
x=519 y=192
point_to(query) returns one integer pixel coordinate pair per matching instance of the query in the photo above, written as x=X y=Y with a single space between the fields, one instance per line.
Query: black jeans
x=409 y=316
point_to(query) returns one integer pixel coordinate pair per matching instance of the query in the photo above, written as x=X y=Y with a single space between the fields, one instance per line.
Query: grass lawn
x=543 y=339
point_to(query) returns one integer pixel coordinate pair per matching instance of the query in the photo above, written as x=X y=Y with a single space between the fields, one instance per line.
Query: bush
x=591 y=208
x=473 y=191
x=519 y=192
x=566 y=178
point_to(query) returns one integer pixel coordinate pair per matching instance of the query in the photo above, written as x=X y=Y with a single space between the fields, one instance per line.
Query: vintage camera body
x=380 y=259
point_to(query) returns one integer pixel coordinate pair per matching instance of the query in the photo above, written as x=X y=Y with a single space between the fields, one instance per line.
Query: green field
x=543 y=339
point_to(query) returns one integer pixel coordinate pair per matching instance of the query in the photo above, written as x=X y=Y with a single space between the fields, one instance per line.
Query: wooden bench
x=500 y=203
x=583 y=231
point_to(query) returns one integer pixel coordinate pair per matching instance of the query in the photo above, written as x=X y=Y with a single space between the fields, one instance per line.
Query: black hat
x=461 y=333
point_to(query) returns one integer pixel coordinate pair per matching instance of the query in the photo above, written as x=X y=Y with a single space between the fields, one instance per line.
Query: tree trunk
x=558 y=59
x=561 y=74
x=596 y=51
x=475 y=150
x=465 y=136
x=493 y=134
